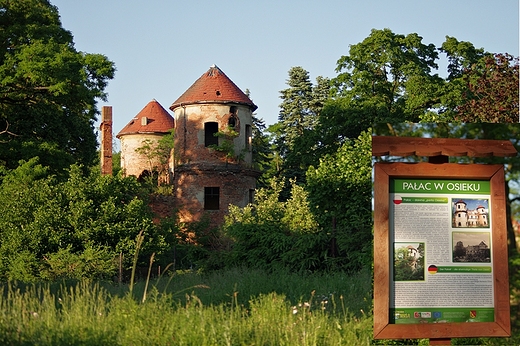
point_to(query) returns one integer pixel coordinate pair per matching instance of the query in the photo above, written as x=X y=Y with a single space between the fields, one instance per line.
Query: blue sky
x=160 y=47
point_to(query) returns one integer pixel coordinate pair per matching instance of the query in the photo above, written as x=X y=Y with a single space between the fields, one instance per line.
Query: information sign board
x=440 y=251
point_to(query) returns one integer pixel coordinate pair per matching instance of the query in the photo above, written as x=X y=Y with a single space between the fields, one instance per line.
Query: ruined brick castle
x=211 y=164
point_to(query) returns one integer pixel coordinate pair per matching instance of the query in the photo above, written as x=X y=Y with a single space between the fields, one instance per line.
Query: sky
x=161 y=47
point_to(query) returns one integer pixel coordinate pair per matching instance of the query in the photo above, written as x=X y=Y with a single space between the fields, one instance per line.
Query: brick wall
x=234 y=182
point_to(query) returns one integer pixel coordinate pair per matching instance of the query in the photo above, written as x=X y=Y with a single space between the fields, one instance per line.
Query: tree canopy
x=48 y=90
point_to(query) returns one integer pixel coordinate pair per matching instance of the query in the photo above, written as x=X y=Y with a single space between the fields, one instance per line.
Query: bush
x=73 y=228
x=270 y=234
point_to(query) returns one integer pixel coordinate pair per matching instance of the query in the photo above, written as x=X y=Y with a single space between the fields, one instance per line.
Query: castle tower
x=482 y=216
x=461 y=214
x=144 y=131
x=213 y=154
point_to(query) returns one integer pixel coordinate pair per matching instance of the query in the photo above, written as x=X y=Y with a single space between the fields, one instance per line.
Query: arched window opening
x=232 y=122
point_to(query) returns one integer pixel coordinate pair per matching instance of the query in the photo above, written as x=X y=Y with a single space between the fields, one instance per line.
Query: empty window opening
x=144 y=176
x=233 y=109
x=217 y=92
x=232 y=122
x=147 y=177
x=211 y=198
x=210 y=129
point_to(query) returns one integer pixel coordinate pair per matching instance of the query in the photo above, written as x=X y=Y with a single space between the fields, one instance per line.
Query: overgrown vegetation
x=158 y=155
x=227 y=145
x=238 y=306
x=76 y=228
x=232 y=307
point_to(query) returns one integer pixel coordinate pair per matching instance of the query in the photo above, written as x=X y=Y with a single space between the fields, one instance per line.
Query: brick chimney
x=106 y=140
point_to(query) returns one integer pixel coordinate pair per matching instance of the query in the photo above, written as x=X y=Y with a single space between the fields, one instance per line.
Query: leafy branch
x=226 y=146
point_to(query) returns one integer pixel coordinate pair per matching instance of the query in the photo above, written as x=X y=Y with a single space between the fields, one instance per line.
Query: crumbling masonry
x=211 y=165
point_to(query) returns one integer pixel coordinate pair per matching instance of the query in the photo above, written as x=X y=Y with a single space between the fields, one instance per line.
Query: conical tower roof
x=153 y=118
x=213 y=87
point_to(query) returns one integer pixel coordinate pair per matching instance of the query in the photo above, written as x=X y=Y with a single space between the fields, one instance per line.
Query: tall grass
x=233 y=307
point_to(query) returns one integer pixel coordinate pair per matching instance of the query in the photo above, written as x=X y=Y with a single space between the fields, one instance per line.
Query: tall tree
x=461 y=55
x=385 y=78
x=263 y=155
x=389 y=77
x=340 y=192
x=295 y=115
x=48 y=90
x=299 y=114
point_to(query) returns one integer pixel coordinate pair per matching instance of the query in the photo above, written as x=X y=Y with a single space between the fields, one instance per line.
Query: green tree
x=461 y=55
x=48 y=90
x=263 y=155
x=271 y=234
x=340 y=192
x=158 y=154
x=47 y=226
x=299 y=114
x=295 y=115
x=388 y=78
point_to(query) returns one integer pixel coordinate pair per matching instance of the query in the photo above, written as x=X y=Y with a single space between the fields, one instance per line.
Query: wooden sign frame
x=383 y=326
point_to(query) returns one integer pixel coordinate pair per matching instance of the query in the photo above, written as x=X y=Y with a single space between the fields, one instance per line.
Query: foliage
x=48 y=90
x=273 y=234
x=299 y=114
x=492 y=91
x=387 y=77
x=116 y=163
x=264 y=156
x=233 y=307
x=295 y=114
x=50 y=229
x=94 y=262
x=340 y=191
x=227 y=145
x=158 y=154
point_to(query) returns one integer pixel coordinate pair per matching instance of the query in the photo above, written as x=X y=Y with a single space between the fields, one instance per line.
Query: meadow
x=231 y=307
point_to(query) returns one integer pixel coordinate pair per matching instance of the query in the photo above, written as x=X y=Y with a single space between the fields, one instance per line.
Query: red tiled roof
x=213 y=87
x=158 y=120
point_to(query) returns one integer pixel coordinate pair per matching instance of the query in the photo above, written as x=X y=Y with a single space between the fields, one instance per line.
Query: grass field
x=233 y=307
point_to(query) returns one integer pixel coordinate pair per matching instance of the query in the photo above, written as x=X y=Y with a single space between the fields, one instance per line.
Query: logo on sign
x=426 y=314
x=417 y=314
